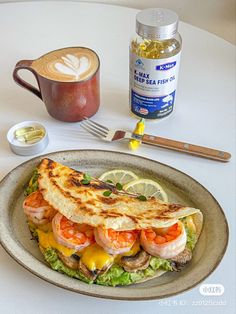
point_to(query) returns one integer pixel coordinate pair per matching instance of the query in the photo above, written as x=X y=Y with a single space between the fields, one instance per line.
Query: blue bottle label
x=152 y=107
x=153 y=85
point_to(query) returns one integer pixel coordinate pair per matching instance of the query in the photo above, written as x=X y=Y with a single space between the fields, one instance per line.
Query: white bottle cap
x=157 y=23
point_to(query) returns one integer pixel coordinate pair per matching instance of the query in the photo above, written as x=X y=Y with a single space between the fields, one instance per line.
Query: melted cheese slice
x=47 y=240
x=95 y=257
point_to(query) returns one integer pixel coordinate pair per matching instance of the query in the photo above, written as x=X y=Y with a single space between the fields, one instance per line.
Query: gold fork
x=111 y=135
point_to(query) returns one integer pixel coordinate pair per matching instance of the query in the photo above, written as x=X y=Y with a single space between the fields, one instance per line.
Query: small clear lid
x=156 y=23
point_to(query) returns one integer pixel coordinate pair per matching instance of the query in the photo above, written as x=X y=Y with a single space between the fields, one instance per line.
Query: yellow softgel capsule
x=22 y=131
x=29 y=134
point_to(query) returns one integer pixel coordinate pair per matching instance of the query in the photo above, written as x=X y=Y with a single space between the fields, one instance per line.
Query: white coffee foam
x=67 y=65
x=73 y=65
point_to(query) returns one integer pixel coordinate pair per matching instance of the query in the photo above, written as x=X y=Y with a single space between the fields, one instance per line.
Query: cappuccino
x=67 y=64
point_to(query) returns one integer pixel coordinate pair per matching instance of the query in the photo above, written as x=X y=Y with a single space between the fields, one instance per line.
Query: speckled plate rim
x=44 y=271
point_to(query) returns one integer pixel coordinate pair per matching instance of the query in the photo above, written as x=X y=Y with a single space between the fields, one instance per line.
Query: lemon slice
x=147 y=188
x=118 y=176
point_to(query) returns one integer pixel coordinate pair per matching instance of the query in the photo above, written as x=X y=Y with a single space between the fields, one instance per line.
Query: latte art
x=67 y=65
x=72 y=65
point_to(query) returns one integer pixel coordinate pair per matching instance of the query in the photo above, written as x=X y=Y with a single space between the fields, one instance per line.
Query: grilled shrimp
x=115 y=242
x=37 y=209
x=71 y=234
x=164 y=242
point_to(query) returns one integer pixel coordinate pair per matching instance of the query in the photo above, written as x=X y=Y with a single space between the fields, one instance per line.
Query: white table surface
x=205 y=115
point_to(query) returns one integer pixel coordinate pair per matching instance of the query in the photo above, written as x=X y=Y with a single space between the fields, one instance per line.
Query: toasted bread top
x=63 y=188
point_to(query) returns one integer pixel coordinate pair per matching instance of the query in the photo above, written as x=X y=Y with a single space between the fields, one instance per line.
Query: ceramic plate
x=16 y=238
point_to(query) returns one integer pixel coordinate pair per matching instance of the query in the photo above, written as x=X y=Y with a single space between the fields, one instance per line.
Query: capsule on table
x=22 y=131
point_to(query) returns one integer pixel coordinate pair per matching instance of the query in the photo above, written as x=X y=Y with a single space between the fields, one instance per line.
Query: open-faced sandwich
x=90 y=230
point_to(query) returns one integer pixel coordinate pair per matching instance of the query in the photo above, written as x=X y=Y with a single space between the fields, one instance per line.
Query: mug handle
x=26 y=64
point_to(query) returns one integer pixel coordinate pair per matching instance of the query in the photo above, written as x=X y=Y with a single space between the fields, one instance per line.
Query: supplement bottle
x=154 y=63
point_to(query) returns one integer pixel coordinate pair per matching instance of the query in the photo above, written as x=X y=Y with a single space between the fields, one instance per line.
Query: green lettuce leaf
x=115 y=276
x=160 y=263
x=191 y=239
x=137 y=276
x=51 y=257
x=33 y=183
x=149 y=272
x=191 y=236
x=33 y=231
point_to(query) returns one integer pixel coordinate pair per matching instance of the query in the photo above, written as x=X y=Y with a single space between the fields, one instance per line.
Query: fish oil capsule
x=154 y=63
x=20 y=132
x=29 y=134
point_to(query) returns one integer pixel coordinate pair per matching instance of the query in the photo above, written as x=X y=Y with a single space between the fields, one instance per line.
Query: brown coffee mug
x=68 y=81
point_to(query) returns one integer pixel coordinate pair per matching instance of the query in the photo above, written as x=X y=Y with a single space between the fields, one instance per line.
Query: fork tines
x=94 y=128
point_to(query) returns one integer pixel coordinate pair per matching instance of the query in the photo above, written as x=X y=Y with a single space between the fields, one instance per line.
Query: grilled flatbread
x=63 y=188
